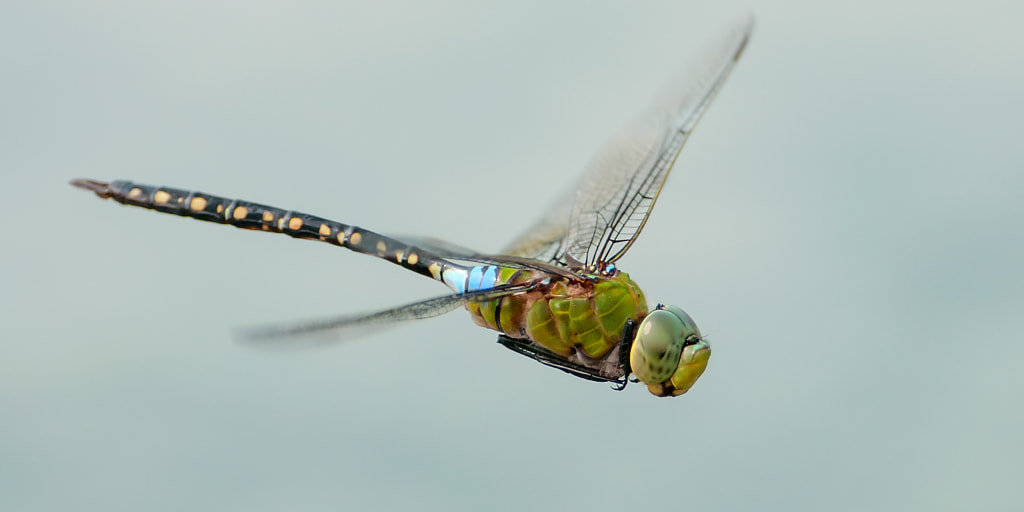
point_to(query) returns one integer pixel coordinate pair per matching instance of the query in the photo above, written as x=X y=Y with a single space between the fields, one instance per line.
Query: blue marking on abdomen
x=455 y=278
x=490 y=277
x=482 y=277
x=475 y=275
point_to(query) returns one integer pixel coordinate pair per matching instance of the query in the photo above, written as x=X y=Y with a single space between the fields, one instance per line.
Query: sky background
x=846 y=225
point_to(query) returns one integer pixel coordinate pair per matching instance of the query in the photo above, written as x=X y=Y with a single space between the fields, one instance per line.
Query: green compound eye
x=668 y=354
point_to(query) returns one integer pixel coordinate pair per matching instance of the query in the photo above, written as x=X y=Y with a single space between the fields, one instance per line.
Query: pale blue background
x=846 y=225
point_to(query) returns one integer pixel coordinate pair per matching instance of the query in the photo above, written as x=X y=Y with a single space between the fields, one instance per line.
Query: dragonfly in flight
x=555 y=294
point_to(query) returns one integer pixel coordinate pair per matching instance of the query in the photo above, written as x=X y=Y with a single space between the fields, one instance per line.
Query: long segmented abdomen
x=248 y=215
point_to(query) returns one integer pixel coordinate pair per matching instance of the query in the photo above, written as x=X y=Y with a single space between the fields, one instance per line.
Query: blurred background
x=845 y=225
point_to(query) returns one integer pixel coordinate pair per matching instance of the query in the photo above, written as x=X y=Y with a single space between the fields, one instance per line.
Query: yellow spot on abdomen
x=135 y=192
x=435 y=270
x=413 y=258
x=220 y=208
x=325 y=230
x=161 y=197
x=268 y=217
x=355 y=238
x=294 y=223
x=381 y=247
x=240 y=213
x=197 y=203
x=341 y=238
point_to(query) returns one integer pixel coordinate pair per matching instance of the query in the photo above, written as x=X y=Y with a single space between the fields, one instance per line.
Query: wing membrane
x=354 y=325
x=545 y=239
x=442 y=248
x=458 y=253
x=620 y=186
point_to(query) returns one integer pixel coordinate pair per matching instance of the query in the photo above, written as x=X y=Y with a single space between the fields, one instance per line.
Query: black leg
x=625 y=346
x=546 y=357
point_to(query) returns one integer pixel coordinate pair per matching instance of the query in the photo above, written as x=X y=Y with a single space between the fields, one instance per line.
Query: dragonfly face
x=669 y=354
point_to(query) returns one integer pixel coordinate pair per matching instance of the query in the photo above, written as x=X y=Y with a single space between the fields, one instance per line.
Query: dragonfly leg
x=628 y=332
x=540 y=354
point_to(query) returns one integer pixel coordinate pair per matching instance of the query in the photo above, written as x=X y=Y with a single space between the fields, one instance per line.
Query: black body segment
x=248 y=215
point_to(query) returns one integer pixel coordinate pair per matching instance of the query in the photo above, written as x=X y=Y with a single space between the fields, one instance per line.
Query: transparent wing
x=458 y=253
x=622 y=183
x=620 y=186
x=545 y=239
x=442 y=248
x=351 y=326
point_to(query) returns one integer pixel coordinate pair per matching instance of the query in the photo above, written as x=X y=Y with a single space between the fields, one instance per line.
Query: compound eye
x=689 y=326
x=658 y=346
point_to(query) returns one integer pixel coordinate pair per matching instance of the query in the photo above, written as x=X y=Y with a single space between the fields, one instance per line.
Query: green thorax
x=588 y=315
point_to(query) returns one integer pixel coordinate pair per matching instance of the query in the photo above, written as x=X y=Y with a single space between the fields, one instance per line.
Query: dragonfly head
x=668 y=353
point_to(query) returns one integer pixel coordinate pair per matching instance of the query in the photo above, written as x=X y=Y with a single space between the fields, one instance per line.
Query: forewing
x=622 y=183
x=544 y=240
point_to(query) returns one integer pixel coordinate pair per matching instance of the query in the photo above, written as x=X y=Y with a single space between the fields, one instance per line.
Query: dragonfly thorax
x=581 y=320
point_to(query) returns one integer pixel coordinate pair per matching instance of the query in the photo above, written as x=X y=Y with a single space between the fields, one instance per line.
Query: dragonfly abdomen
x=249 y=215
x=503 y=314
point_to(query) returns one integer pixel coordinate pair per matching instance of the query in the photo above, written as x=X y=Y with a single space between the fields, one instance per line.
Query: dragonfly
x=555 y=294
